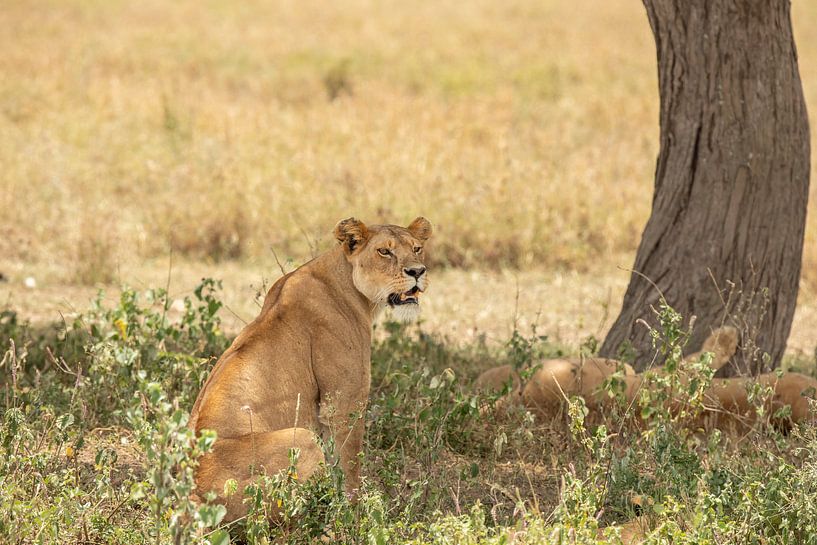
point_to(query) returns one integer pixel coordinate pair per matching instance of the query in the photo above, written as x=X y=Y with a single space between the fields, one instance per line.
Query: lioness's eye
x=418 y=249
x=384 y=252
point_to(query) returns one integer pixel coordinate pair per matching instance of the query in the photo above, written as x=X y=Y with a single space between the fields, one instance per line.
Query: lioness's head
x=388 y=263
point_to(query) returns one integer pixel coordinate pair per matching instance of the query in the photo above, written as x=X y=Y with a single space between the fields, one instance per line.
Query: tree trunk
x=725 y=237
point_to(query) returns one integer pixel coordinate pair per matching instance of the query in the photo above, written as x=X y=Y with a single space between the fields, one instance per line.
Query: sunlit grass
x=527 y=131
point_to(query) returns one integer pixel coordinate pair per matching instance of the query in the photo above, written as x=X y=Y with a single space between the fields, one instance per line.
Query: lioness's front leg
x=343 y=421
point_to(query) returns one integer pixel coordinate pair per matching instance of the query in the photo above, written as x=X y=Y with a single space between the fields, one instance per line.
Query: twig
x=247 y=409
x=166 y=306
x=278 y=261
x=516 y=305
x=606 y=314
x=649 y=280
x=295 y=424
x=313 y=248
x=118 y=506
x=59 y=363
x=235 y=315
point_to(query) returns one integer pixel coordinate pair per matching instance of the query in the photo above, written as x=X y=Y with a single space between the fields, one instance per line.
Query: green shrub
x=171 y=453
x=95 y=448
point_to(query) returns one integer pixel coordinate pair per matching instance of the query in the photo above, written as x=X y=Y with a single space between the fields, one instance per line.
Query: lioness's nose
x=415 y=272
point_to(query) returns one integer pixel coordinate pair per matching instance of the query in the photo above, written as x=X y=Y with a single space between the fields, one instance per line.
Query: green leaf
x=64 y=421
x=206 y=440
x=220 y=537
x=211 y=515
x=138 y=491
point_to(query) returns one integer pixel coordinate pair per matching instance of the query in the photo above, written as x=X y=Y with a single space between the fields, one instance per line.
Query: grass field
x=94 y=448
x=152 y=144
x=527 y=131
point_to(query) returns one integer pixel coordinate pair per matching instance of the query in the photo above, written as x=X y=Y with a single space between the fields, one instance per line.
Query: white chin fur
x=406 y=313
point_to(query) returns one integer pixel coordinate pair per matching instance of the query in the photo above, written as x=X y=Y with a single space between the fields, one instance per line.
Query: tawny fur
x=729 y=407
x=727 y=400
x=495 y=379
x=302 y=367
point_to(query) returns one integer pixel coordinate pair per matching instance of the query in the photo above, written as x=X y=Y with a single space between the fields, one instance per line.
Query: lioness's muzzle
x=409 y=297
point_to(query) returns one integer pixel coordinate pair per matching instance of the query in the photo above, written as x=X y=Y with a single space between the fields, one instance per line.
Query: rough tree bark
x=725 y=237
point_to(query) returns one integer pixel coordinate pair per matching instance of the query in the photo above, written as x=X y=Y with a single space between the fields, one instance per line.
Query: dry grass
x=526 y=130
x=463 y=306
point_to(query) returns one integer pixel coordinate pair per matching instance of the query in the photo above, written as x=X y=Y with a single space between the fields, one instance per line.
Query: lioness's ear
x=420 y=228
x=351 y=233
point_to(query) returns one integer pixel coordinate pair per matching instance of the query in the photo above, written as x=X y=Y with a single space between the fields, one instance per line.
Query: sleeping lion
x=727 y=399
x=302 y=367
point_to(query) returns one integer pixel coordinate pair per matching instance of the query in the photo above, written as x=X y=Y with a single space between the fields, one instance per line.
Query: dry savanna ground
x=526 y=130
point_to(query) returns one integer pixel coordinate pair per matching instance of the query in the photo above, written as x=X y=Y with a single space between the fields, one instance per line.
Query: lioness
x=303 y=365
x=556 y=378
x=727 y=399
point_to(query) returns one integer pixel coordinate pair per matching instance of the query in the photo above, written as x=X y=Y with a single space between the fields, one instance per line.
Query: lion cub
x=302 y=367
